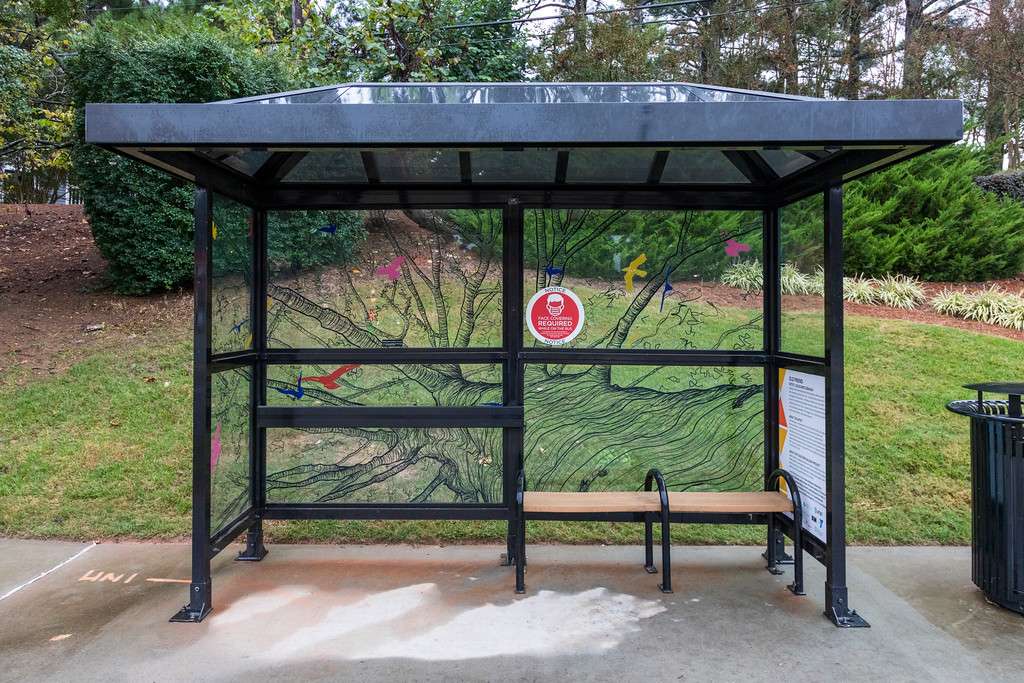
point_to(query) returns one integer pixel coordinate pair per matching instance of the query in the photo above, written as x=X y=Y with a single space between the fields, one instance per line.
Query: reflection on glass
x=384 y=465
x=230 y=248
x=229 y=446
x=609 y=165
x=517 y=93
x=802 y=253
x=424 y=279
x=353 y=384
x=333 y=166
x=649 y=279
x=594 y=428
x=700 y=166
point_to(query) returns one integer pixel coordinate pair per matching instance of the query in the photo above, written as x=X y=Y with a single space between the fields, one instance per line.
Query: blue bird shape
x=296 y=393
x=328 y=229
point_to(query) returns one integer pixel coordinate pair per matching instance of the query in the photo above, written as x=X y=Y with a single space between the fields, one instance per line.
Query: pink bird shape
x=734 y=248
x=393 y=270
x=215 y=447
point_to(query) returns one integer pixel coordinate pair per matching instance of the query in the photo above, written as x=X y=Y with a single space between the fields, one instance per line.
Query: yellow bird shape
x=213 y=231
x=633 y=270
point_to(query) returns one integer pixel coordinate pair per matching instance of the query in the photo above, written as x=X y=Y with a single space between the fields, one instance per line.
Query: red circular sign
x=554 y=315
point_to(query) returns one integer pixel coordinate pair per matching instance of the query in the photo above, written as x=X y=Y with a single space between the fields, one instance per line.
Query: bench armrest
x=652 y=476
x=783 y=475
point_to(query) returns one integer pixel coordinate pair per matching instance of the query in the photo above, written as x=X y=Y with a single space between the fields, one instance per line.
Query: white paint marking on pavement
x=48 y=571
x=62 y=636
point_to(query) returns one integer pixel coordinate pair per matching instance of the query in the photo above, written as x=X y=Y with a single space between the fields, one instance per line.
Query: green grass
x=103 y=450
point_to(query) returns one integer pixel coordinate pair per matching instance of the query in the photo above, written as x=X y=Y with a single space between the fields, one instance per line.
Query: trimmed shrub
x=1003 y=184
x=141 y=218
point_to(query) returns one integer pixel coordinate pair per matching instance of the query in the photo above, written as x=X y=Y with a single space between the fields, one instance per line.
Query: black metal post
x=837 y=607
x=254 y=548
x=512 y=369
x=200 y=594
x=775 y=553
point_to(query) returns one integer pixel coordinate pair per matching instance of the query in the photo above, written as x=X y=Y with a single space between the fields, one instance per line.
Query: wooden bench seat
x=661 y=506
x=740 y=502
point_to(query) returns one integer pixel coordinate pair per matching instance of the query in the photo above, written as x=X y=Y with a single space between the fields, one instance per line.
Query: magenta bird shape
x=215 y=447
x=393 y=270
x=734 y=248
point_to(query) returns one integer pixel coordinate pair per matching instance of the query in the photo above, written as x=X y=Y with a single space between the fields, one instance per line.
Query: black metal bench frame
x=666 y=517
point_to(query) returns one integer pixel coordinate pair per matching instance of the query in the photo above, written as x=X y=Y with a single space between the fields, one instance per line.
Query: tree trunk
x=913 y=49
x=854 y=25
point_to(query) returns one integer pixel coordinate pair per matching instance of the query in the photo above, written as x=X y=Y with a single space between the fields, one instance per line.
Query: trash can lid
x=1011 y=388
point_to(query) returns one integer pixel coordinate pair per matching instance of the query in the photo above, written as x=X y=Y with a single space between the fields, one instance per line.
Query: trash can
x=997 y=491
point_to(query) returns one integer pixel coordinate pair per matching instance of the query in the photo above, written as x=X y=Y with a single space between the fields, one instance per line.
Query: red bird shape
x=734 y=248
x=331 y=381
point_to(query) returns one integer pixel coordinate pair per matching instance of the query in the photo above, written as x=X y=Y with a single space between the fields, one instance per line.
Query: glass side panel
x=593 y=428
x=352 y=384
x=229 y=446
x=426 y=279
x=700 y=166
x=802 y=254
x=384 y=465
x=643 y=279
x=417 y=165
x=609 y=165
x=785 y=161
x=527 y=165
x=231 y=279
x=328 y=166
x=248 y=161
x=515 y=93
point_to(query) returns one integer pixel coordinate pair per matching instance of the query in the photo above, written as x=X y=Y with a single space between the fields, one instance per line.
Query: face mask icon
x=555 y=305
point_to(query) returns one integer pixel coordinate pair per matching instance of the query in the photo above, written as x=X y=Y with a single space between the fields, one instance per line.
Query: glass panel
x=229 y=446
x=384 y=465
x=526 y=165
x=417 y=165
x=785 y=161
x=428 y=279
x=700 y=166
x=231 y=279
x=603 y=427
x=646 y=279
x=248 y=161
x=352 y=384
x=802 y=254
x=328 y=166
x=517 y=93
x=609 y=165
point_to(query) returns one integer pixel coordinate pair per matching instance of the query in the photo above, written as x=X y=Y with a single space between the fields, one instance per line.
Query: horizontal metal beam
x=412 y=417
x=384 y=511
x=231 y=530
x=424 y=195
x=644 y=357
x=786 y=360
x=597 y=124
x=383 y=356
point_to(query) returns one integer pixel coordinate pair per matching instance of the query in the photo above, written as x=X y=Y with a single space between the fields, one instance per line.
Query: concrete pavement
x=427 y=613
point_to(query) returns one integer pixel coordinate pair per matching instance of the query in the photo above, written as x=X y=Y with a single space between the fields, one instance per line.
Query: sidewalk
x=428 y=613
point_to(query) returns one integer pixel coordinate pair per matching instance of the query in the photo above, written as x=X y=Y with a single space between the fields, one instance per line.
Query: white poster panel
x=802 y=442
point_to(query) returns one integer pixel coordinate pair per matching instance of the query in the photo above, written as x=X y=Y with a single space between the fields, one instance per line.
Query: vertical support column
x=200 y=594
x=512 y=375
x=775 y=554
x=254 y=548
x=837 y=607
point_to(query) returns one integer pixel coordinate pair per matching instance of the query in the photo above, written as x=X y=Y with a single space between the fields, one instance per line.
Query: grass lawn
x=104 y=449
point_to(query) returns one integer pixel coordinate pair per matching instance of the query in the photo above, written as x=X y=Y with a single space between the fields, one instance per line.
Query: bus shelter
x=686 y=240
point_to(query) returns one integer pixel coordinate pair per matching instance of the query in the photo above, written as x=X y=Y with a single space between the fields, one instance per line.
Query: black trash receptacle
x=997 y=492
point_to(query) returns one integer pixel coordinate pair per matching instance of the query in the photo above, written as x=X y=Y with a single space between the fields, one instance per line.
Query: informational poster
x=802 y=442
x=554 y=316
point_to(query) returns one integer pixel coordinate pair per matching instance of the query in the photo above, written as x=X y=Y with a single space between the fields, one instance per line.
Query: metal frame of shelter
x=833 y=141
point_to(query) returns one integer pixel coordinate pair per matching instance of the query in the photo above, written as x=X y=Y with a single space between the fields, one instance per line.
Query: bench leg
x=521 y=558
x=797 y=587
x=649 y=546
x=666 y=558
x=771 y=553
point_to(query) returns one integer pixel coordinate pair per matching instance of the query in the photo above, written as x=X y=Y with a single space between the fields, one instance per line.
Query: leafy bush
x=792 y=281
x=859 y=290
x=745 y=275
x=899 y=291
x=924 y=217
x=141 y=219
x=993 y=305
